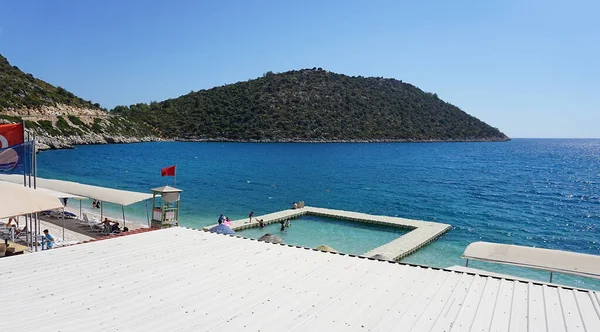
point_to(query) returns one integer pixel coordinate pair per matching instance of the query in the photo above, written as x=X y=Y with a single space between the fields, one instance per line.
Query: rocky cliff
x=62 y=126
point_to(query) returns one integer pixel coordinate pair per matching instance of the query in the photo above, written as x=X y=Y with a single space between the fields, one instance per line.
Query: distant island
x=309 y=105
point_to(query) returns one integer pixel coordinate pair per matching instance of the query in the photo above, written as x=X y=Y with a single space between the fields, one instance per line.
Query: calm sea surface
x=534 y=192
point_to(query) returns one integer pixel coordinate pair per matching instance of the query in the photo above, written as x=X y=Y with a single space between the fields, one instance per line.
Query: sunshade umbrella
x=271 y=238
x=326 y=248
x=221 y=229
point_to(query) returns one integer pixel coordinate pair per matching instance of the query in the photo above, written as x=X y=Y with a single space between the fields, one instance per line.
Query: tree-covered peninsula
x=312 y=105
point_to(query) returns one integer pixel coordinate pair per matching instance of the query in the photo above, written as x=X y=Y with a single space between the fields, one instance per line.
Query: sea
x=533 y=192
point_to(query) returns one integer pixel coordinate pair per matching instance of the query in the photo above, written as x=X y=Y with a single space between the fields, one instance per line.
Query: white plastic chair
x=92 y=224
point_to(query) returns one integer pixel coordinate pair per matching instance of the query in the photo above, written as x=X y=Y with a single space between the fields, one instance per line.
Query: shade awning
x=166 y=189
x=59 y=194
x=221 y=229
x=537 y=258
x=17 y=200
x=116 y=196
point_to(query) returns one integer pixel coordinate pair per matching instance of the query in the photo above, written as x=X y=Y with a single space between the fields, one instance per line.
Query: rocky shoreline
x=54 y=143
x=292 y=140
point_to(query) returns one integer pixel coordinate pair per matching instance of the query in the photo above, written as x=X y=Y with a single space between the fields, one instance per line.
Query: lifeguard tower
x=165 y=207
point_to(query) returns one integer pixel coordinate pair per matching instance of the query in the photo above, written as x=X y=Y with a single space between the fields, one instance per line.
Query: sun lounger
x=87 y=220
x=21 y=234
x=60 y=242
x=60 y=214
x=13 y=233
x=92 y=223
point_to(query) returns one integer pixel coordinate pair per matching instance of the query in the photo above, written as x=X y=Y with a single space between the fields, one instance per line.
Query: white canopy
x=537 y=258
x=116 y=196
x=16 y=200
x=166 y=189
x=59 y=194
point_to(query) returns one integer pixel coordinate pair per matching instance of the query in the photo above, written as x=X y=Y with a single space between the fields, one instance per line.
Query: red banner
x=10 y=134
x=169 y=171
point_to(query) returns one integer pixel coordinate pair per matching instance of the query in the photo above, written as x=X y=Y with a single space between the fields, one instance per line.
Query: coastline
x=68 y=142
x=292 y=140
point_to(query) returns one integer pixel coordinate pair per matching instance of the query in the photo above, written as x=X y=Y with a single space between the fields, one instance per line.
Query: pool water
x=344 y=236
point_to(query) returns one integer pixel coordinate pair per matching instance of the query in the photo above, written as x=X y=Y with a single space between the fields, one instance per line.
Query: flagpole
x=24 y=174
x=175 y=178
x=28 y=160
x=34 y=162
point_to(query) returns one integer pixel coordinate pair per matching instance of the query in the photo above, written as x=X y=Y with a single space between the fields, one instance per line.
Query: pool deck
x=421 y=232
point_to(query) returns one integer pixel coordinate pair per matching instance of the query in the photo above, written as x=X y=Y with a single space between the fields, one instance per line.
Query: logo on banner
x=9 y=159
x=3 y=142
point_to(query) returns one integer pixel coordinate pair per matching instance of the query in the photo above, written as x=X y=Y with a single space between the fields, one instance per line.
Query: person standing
x=250 y=216
x=47 y=240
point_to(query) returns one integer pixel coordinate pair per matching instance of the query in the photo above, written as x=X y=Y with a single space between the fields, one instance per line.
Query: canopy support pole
x=63 y=220
x=147 y=215
x=123 y=209
x=28 y=234
x=31 y=230
x=80 y=214
x=101 y=211
x=37 y=231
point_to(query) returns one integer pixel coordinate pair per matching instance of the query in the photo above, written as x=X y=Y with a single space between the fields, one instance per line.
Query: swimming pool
x=344 y=236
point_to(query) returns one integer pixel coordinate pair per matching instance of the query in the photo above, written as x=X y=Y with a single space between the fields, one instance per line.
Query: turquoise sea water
x=535 y=192
x=343 y=236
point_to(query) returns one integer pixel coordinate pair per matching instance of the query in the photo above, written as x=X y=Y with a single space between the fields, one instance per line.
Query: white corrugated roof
x=187 y=280
x=117 y=196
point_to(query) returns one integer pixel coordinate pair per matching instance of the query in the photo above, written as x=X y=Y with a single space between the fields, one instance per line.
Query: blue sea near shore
x=533 y=192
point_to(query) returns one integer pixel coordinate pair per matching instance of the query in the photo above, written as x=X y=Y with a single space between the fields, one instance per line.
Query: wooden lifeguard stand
x=165 y=207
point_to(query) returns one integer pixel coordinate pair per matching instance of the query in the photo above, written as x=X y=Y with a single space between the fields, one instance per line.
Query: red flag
x=10 y=134
x=169 y=171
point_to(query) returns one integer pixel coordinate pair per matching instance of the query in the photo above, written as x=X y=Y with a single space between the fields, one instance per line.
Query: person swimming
x=282 y=225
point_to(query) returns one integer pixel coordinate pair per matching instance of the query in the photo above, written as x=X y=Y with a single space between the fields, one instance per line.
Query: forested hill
x=21 y=90
x=312 y=105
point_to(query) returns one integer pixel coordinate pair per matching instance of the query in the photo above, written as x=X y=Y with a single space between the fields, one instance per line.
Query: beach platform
x=421 y=232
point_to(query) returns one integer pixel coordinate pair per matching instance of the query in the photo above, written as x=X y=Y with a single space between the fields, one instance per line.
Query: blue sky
x=529 y=68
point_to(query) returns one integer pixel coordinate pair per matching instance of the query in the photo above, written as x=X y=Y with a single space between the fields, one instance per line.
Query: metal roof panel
x=181 y=280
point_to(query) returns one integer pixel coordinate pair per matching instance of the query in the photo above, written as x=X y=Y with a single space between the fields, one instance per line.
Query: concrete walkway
x=421 y=234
